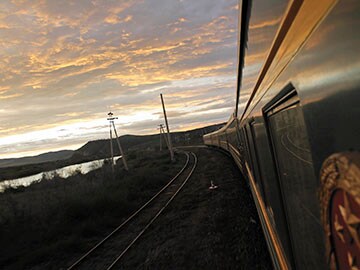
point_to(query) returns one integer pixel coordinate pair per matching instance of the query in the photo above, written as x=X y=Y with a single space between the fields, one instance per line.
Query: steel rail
x=156 y=216
x=81 y=259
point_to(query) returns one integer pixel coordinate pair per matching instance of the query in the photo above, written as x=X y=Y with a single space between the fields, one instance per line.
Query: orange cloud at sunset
x=66 y=64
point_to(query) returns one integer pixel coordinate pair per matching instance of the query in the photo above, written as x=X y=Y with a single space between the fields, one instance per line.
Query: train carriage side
x=297 y=138
x=219 y=137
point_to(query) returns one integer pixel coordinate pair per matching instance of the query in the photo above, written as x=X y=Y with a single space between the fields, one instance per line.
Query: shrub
x=50 y=218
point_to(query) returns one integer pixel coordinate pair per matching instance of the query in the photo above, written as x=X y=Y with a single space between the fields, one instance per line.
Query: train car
x=295 y=129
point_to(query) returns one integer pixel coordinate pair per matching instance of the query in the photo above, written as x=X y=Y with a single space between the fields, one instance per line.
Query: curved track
x=109 y=251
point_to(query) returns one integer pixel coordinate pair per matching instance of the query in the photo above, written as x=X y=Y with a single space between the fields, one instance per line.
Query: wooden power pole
x=163 y=133
x=111 y=119
x=168 y=130
x=160 y=137
x=111 y=151
x=163 y=136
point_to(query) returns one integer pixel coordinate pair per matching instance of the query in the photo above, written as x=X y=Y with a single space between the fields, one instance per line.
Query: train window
x=246 y=146
x=242 y=143
x=238 y=135
x=257 y=166
x=250 y=155
x=231 y=134
x=269 y=183
x=265 y=19
x=295 y=173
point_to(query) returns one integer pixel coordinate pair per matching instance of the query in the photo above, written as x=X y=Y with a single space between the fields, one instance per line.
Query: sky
x=65 y=64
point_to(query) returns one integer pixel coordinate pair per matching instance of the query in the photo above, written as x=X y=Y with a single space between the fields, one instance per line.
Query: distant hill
x=101 y=148
x=46 y=157
x=20 y=167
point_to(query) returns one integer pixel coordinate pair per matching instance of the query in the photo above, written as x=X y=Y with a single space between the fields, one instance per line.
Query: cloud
x=66 y=63
x=115 y=19
x=10 y=96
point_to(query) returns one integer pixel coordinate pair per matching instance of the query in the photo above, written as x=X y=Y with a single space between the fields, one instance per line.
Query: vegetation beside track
x=203 y=228
x=50 y=222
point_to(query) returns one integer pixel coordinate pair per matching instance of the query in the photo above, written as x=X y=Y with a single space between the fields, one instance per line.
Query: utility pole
x=111 y=151
x=168 y=130
x=165 y=138
x=160 y=135
x=111 y=118
x=163 y=134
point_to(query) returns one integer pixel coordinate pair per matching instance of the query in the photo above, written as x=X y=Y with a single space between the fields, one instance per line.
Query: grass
x=53 y=221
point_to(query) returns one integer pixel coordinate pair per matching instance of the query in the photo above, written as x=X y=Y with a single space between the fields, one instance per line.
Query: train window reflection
x=265 y=19
x=295 y=173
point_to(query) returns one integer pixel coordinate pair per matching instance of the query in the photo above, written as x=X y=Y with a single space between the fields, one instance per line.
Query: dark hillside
x=46 y=157
x=101 y=149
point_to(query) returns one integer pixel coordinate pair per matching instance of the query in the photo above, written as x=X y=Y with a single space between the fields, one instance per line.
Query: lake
x=64 y=172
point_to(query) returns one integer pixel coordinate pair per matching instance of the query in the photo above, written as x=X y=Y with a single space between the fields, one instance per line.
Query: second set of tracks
x=107 y=254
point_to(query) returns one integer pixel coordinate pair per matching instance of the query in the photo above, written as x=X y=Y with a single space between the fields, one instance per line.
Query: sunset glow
x=66 y=64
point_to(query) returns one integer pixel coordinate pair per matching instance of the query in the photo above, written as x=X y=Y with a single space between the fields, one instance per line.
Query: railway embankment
x=204 y=228
x=52 y=223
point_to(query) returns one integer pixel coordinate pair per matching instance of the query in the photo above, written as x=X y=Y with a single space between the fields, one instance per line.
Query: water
x=64 y=172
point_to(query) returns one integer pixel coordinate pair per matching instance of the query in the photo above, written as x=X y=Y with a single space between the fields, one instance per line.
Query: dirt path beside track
x=205 y=229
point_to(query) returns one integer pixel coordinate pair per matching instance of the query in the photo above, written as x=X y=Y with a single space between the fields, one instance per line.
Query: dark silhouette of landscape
x=92 y=150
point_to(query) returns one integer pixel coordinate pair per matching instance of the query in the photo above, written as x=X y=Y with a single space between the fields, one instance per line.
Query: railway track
x=107 y=254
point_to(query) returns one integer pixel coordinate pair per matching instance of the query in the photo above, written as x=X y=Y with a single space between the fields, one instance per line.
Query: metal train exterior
x=295 y=130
